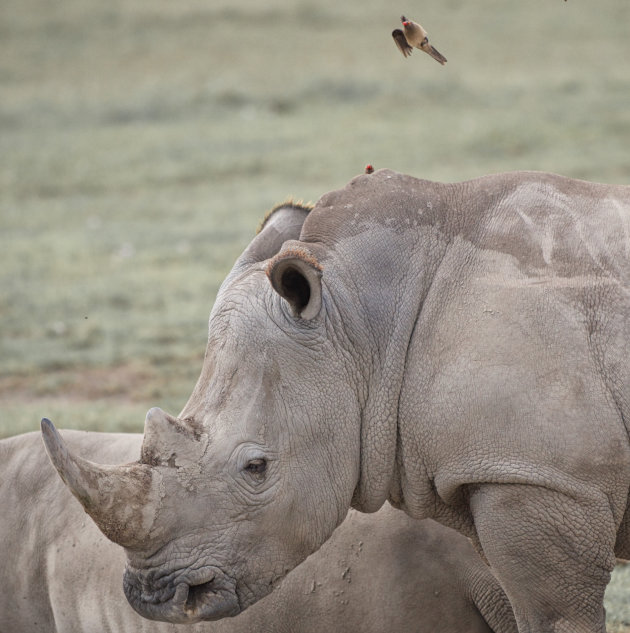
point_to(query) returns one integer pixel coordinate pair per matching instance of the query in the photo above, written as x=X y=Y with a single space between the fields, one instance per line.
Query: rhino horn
x=170 y=441
x=122 y=500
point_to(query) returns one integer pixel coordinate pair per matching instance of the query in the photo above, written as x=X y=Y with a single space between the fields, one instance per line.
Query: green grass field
x=141 y=142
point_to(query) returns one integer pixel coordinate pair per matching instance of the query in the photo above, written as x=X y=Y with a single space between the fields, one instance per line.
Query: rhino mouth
x=186 y=597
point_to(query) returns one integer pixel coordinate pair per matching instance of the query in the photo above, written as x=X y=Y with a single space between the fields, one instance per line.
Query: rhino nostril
x=197 y=594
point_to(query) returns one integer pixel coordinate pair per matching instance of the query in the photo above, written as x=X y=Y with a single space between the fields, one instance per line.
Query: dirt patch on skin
x=126 y=382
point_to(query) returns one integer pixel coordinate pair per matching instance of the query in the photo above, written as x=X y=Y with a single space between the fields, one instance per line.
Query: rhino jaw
x=192 y=596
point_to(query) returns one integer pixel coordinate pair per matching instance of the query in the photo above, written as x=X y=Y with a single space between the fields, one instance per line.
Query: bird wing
x=401 y=42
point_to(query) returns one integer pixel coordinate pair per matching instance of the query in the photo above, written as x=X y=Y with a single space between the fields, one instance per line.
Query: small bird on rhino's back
x=413 y=34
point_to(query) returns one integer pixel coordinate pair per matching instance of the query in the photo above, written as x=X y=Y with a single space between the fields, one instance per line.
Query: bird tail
x=436 y=55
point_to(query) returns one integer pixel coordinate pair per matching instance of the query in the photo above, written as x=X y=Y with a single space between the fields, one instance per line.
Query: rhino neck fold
x=393 y=306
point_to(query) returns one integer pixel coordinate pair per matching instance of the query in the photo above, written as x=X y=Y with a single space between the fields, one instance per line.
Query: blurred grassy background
x=141 y=141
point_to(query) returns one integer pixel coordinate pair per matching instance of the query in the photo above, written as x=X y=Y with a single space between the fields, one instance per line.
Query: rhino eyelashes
x=257 y=466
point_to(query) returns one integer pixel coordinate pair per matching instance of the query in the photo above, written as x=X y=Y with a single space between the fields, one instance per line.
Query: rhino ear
x=296 y=276
x=284 y=222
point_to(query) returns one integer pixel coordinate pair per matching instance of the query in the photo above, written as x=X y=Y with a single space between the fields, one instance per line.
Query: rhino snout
x=187 y=597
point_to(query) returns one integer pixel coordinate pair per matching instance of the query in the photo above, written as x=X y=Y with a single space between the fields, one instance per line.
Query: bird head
x=404 y=20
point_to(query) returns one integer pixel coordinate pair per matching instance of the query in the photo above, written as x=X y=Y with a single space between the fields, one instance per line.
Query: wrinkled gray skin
x=460 y=349
x=378 y=573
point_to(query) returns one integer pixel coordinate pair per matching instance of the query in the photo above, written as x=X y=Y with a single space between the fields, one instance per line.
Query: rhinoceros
x=460 y=350
x=378 y=573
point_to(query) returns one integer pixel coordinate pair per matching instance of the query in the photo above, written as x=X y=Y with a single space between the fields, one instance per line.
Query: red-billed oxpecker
x=414 y=35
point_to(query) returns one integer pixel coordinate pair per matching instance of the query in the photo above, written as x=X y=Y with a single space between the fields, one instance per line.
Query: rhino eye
x=256 y=466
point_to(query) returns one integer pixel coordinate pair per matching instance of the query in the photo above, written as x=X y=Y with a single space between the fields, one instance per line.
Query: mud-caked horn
x=173 y=442
x=122 y=500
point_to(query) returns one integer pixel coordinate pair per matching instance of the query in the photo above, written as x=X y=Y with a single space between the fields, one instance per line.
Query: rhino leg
x=552 y=554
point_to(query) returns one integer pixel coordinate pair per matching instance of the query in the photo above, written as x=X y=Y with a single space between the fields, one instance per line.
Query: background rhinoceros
x=461 y=350
x=379 y=573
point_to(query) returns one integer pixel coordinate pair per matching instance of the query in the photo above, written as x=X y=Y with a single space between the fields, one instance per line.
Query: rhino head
x=259 y=468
